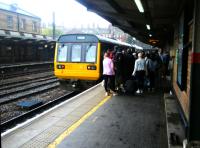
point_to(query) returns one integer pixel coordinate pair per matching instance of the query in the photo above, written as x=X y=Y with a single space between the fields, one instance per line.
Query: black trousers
x=109 y=82
x=152 y=79
x=140 y=78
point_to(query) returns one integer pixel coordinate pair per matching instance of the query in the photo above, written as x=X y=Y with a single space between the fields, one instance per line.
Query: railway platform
x=91 y=120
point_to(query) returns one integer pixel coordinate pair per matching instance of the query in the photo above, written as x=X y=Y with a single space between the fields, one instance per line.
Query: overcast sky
x=68 y=13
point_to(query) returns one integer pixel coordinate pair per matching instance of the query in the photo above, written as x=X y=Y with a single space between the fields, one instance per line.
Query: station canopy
x=8 y=36
x=152 y=26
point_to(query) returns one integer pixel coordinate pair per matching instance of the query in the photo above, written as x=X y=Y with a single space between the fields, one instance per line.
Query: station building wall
x=182 y=37
x=19 y=22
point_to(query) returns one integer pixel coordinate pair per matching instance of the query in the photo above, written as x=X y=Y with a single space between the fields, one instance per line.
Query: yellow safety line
x=77 y=124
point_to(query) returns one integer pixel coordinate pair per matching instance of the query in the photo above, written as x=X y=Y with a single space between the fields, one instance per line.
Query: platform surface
x=124 y=121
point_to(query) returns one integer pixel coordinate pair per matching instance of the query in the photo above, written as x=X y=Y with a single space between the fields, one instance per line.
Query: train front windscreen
x=77 y=52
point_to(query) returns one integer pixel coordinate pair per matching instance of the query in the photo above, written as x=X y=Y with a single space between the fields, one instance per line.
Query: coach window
x=76 y=53
x=62 y=53
x=91 y=53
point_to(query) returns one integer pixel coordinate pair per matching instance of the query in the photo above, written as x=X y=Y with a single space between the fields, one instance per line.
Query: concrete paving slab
x=175 y=130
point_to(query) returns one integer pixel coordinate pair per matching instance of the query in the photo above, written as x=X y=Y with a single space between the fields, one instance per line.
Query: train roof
x=90 y=37
x=104 y=39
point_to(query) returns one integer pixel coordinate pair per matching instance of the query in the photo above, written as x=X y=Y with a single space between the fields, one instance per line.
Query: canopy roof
x=161 y=15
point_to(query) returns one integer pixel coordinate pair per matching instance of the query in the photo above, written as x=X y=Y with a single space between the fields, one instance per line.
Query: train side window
x=62 y=53
x=91 y=53
x=76 y=53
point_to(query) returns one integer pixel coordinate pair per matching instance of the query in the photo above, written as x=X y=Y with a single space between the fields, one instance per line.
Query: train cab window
x=76 y=53
x=90 y=53
x=62 y=53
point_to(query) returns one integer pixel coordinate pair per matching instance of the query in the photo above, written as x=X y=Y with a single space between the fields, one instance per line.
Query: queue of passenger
x=141 y=69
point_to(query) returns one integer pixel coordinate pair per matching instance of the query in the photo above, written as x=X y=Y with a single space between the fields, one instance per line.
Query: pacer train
x=78 y=58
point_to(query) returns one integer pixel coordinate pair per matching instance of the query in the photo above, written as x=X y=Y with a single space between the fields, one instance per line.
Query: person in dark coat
x=118 y=63
x=165 y=60
x=129 y=62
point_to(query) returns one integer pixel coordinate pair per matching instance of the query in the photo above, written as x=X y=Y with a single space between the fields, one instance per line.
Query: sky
x=68 y=13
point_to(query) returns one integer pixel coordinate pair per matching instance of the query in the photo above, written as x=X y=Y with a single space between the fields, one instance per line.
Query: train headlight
x=61 y=66
x=91 y=67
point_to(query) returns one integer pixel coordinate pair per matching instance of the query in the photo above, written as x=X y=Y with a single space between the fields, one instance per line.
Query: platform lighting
x=148 y=27
x=150 y=35
x=139 y=5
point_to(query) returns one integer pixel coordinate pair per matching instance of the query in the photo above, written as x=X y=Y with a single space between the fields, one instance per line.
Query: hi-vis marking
x=77 y=124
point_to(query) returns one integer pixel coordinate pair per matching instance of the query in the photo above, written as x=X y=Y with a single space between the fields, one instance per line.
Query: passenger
x=151 y=68
x=109 y=75
x=143 y=54
x=119 y=72
x=135 y=55
x=159 y=59
x=129 y=62
x=111 y=54
x=165 y=60
x=159 y=68
x=140 y=70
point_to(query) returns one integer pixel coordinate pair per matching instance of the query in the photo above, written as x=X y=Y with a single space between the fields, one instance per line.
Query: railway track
x=26 y=86
x=8 y=76
x=10 y=71
x=12 y=88
x=4 y=83
x=21 y=87
x=29 y=114
x=28 y=91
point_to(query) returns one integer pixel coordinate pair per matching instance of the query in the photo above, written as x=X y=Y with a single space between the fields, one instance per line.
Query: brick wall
x=183 y=96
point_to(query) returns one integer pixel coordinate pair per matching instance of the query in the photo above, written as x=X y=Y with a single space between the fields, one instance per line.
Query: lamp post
x=53 y=25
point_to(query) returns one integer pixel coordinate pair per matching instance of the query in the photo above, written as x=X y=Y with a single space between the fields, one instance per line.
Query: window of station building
x=10 y=21
x=23 y=24
x=34 y=26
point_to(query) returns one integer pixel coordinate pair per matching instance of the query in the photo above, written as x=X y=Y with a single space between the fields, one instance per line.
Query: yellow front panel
x=78 y=71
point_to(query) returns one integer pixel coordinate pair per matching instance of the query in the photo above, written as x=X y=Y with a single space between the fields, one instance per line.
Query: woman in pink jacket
x=109 y=74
